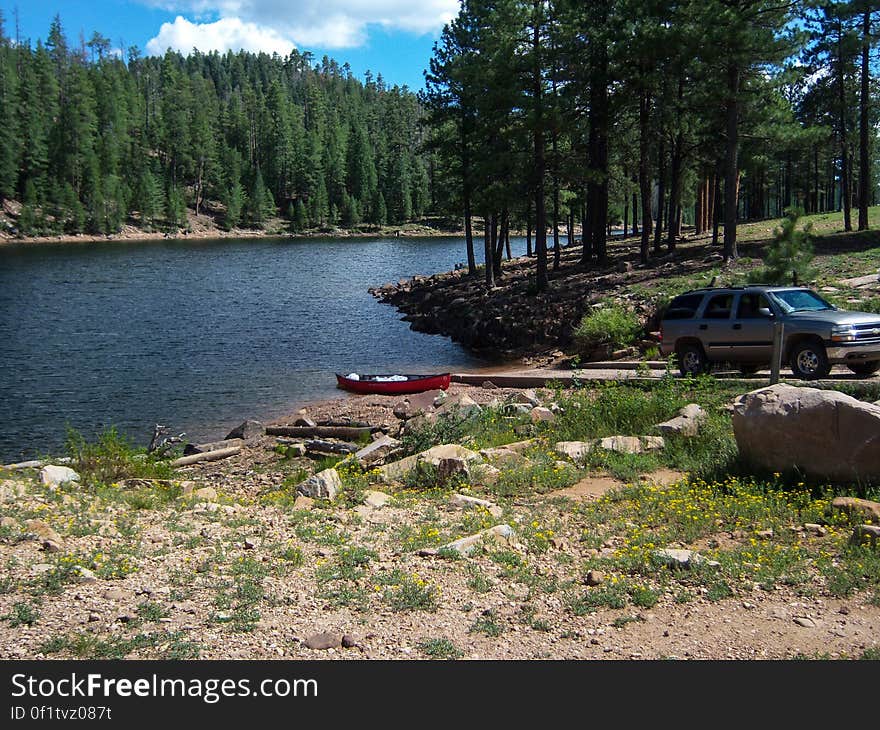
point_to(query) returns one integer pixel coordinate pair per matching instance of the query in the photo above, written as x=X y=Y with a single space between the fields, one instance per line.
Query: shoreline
x=138 y=236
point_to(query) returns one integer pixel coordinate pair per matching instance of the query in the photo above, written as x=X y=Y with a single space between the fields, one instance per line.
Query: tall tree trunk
x=529 y=228
x=661 y=196
x=625 y=215
x=469 y=233
x=644 y=179
x=699 y=223
x=539 y=164
x=731 y=162
x=505 y=227
x=570 y=224
x=864 y=139
x=845 y=199
x=488 y=252
x=716 y=216
x=674 y=225
x=599 y=120
x=635 y=209
x=497 y=244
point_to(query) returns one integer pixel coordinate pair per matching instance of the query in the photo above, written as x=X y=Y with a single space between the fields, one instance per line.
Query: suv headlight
x=843 y=333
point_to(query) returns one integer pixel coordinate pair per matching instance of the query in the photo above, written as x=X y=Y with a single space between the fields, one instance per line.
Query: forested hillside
x=90 y=142
x=546 y=113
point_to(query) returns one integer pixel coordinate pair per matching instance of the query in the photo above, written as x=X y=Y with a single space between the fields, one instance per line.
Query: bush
x=789 y=255
x=610 y=326
x=111 y=458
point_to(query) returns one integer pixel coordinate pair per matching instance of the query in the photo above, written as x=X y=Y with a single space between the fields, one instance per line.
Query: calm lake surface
x=199 y=335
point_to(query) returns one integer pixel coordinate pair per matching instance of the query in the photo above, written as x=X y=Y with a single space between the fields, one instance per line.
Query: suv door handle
x=737 y=326
x=704 y=326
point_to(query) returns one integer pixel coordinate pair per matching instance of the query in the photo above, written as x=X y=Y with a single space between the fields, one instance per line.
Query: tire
x=865 y=368
x=692 y=360
x=809 y=361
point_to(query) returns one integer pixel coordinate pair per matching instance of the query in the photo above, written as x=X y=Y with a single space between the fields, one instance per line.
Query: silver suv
x=736 y=325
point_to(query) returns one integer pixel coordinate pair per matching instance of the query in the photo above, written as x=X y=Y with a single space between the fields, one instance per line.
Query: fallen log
x=36 y=463
x=346 y=433
x=330 y=447
x=190 y=449
x=207 y=456
x=349 y=424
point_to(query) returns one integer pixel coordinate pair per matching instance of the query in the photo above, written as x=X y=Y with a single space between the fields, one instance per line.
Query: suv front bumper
x=854 y=352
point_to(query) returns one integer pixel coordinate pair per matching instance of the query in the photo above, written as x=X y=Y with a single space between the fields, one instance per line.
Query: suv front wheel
x=809 y=361
x=692 y=360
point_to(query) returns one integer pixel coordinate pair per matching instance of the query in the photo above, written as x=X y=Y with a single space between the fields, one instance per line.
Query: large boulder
x=433 y=456
x=821 y=433
x=247 y=430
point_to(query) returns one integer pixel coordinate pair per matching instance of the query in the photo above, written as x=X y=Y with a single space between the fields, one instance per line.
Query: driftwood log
x=212 y=446
x=330 y=447
x=206 y=456
x=346 y=433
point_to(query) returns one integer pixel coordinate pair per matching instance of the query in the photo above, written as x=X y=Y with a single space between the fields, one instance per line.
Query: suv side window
x=750 y=306
x=718 y=307
x=683 y=307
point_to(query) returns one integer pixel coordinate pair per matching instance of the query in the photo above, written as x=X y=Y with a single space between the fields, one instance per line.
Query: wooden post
x=776 y=363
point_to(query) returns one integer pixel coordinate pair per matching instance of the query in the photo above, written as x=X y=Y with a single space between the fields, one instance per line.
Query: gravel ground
x=242 y=574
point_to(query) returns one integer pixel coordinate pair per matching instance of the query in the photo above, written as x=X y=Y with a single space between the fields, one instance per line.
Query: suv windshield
x=800 y=300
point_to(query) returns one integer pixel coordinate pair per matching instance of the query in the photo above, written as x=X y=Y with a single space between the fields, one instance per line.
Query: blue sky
x=391 y=37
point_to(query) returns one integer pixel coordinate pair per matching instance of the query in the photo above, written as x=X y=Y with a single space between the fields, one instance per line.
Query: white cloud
x=223 y=35
x=326 y=23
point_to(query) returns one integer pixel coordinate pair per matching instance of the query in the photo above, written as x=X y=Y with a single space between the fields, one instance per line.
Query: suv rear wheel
x=809 y=361
x=865 y=368
x=692 y=360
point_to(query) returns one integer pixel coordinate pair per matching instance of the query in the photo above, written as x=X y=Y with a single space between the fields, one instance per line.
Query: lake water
x=199 y=335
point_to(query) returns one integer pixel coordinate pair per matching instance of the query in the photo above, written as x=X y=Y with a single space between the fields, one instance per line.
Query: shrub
x=111 y=458
x=789 y=255
x=610 y=326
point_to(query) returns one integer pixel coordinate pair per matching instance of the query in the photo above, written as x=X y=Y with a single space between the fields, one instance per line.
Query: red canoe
x=392 y=384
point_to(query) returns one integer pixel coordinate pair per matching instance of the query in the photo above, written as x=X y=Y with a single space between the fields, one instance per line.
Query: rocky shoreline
x=513 y=320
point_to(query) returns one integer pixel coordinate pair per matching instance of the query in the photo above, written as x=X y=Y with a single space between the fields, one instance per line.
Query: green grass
x=442 y=648
x=112 y=458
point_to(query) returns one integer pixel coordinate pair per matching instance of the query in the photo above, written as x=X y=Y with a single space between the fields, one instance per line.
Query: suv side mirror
x=766 y=313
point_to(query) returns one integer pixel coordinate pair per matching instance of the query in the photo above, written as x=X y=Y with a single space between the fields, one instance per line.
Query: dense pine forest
x=644 y=113
x=90 y=142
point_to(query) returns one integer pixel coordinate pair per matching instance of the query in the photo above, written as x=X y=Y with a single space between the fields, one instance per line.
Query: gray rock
x=350 y=641
x=463 y=501
x=594 y=578
x=821 y=433
x=574 y=450
x=528 y=397
x=305 y=421
x=377 y=451
x=460 y=406
x=856 y=506
x=805 y=621
x=631 y=444
x=43 y=531
x=54 y=476
x=376 y=499
x=84 y=575
x=499 y=535
x=416 y=404
x=433 y=456
x=303 y=502
x=323 y=485
x=683 y=559
x=504 y=457
x=52 y=546
x=208 y=494
x=865 y=534
x=248 y=430
x=540 y=414
x=453 y=468
x=686 y=423
x=324 y=640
